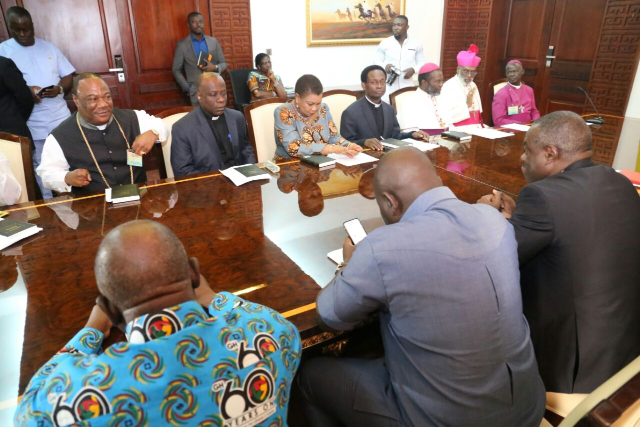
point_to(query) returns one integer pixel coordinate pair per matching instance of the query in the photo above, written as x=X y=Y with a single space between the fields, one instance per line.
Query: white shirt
x=423 y=111
x=10 y=189
x=409 y=55
x=41 y=65
x=54 y=165
x=454 y=99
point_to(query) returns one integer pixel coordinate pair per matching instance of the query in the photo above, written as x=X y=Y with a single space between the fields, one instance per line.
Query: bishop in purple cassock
x=514 y=103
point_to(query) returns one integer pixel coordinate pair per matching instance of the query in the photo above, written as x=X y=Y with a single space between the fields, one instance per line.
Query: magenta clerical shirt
x=511 y=96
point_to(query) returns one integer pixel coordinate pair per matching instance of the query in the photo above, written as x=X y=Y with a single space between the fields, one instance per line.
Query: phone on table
x=41 y=91
x=355 y=230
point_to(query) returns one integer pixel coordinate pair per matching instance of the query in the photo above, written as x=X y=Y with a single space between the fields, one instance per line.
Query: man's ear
x=551 y=153
x=393 y=204
x=364 y=86
x=194 y=270
x=113 y=313
x=75 y=101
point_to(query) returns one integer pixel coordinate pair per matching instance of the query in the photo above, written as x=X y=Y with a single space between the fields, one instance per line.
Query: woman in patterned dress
x=304 y=126
x=262 y=82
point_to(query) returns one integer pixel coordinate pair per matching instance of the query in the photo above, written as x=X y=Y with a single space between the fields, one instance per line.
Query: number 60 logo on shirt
x=249 y=404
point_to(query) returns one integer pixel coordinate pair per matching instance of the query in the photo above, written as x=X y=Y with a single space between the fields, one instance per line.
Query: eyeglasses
x=468 y=72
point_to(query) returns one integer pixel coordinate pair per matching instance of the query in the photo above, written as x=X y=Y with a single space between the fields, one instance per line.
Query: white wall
x=633 y=109
x=334 y=65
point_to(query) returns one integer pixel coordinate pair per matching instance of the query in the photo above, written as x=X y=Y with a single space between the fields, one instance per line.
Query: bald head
x=401 y=177
x=137 y=260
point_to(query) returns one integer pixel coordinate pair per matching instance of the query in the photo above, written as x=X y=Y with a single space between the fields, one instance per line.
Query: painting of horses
x=350 y=22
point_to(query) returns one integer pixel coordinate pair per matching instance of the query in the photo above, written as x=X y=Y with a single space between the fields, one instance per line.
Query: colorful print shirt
x=179 y=367
x=261 y=82
x=297 y=135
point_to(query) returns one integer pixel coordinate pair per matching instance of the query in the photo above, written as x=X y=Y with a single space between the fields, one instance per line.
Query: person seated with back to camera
x=262 y=81
x=304 y=125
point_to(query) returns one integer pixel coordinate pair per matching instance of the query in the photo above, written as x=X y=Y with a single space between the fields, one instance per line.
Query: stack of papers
x=246 y=173
x=488 y=133
x=12 y=231
x=516 y=126
x=345 y=160
x=420 y=145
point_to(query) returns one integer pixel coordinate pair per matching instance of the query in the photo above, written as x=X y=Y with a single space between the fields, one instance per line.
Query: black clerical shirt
x=376 y=109
x=222 y=137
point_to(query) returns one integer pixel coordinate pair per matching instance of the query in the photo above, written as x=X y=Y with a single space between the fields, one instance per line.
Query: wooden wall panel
x=614 y=70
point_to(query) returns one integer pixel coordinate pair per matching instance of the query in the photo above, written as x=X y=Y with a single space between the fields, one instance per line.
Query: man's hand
x=51 y=92
x=210 y=67
x=491 y=200
x=508 y=204
x=408 y=73
x=34 y=91
x=388 y=68
x=98 y=320
x=78 y=178
x=470 y=97
x=348 y=248
x=420 y=135
x=144 y=143
x=373 y=143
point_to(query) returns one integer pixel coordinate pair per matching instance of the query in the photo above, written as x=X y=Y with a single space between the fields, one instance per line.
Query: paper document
x=420 y=145
x=517 y=126
x=488 y=133
x=345 y=160
x=10 y=240
x=336 y=256
x=107 y=196
x=239 y=178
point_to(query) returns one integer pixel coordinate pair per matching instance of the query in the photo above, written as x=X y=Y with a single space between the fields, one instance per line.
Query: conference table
x=266 y=241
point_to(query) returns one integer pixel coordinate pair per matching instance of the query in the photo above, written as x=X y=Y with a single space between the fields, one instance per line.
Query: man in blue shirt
x=43 y=67
x=181 y=364
x=443 y=277
x=187 y=52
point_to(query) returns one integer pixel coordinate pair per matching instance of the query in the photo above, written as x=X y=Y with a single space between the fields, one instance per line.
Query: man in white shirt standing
x=423 y=109
x=44 y=68
x=99 y=146
x=460 y=94
x=401 y=52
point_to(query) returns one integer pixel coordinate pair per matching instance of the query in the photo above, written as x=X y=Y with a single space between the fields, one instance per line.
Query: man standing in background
x=187 y=52
x=400 y=52
x=47 y=72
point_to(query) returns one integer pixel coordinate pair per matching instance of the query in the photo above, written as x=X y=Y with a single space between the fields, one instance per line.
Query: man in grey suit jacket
x=211 y=137
x=186 y=56
x=370 y=119
x=443 y=277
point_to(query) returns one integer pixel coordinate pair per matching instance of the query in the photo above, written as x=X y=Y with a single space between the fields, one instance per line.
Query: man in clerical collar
x=211 y=137
x=460 y=94
x=423 y=109
x=515 y=102
x=178 y=331
x=369 y=119
x=98 y=147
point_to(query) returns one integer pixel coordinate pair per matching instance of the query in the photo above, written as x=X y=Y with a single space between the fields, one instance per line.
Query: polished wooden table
x=266 y=241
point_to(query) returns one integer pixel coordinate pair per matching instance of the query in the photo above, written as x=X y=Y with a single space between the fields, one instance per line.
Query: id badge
x=512 y=110
x=134 y=159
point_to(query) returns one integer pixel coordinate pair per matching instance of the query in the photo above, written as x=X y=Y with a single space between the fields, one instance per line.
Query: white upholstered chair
x=338 y=100
x=18 y=151
x=169 y=117
x=398 y=97
x=261 y=125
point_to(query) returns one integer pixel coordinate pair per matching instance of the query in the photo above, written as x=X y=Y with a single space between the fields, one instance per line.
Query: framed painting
x=350 y=22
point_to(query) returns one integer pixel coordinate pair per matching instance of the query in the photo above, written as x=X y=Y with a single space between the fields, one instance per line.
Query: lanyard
x=94 y=157
x=435 y=108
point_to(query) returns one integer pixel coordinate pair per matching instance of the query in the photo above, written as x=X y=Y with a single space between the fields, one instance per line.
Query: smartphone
x=39 y=93
x=355 y=230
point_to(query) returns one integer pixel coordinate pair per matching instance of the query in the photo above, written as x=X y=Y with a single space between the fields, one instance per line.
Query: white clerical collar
x=374 y=104
x=517 y=87
x=214 y=118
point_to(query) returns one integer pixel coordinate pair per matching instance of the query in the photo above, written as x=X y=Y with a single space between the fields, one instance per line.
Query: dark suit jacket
x=578 y=236
x=185 y=59
x=358 y=123
x=16 y=101
x=194 y=148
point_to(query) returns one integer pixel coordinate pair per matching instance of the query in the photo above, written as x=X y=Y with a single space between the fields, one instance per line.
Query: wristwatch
x=340 y=267
x=61 y=90
x=155 y=132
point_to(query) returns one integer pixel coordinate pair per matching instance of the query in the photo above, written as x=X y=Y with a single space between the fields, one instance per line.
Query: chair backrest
x=241 y=94
x=615 y=403
x=398 y=97
x=18 y=151
x=497 y=85
x=261 y=126
x=338 y=100
x=169 y=117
